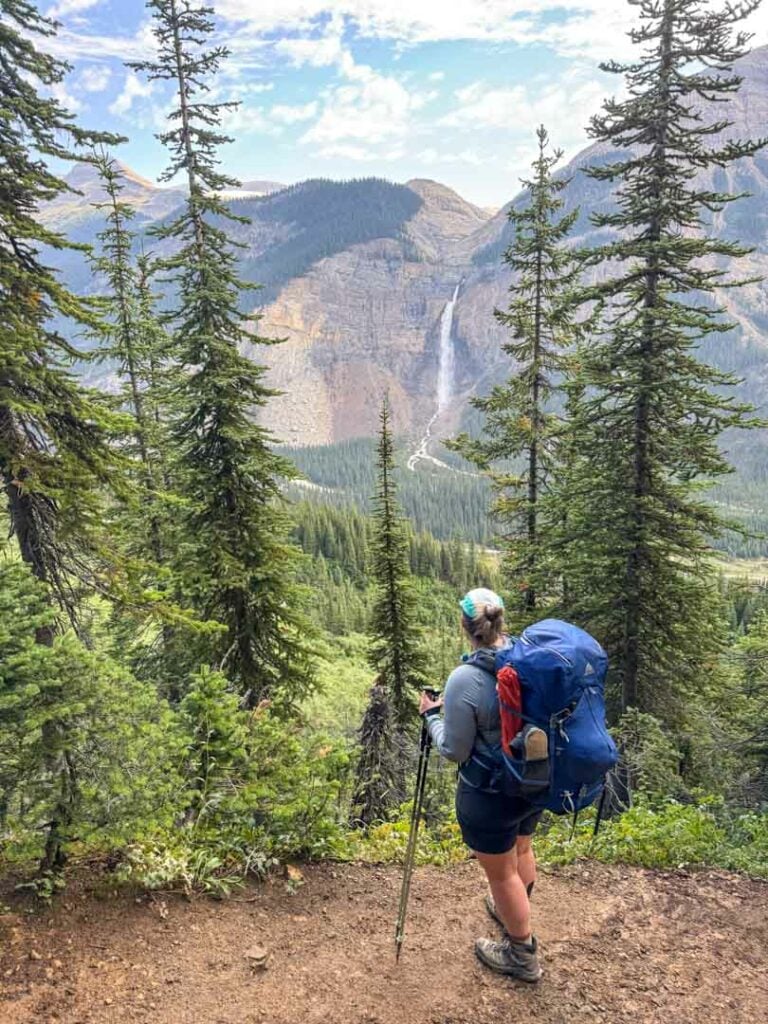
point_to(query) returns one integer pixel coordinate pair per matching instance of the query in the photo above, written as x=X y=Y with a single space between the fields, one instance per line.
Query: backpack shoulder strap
x=481 y=659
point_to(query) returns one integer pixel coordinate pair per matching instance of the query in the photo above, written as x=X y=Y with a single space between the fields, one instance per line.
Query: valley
x=376 y=287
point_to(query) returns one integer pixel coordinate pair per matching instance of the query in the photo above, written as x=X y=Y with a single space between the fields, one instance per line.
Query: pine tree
x=217 y=740
x=654 y=411
x=237 y=565
x=396 y=651
x=396 y=648
x=84 y=748
x=520 y=424
x=571 y=472
x=155 y=352
x=135 y=342
x=378 y=777
x=748 y=704
x=54 y=455
x=55 y=459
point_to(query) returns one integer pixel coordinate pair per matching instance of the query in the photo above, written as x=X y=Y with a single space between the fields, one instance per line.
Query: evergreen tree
x=54 y=455
x=654 y=412
x=154 y=352
x=572 y=470
x=748 y=707
x=378 y=778
x=396 y=649
x=520 y=424
x=217 y=740
x=55 y=458
x=136 y=343
x=236 y=565
x=84 y=748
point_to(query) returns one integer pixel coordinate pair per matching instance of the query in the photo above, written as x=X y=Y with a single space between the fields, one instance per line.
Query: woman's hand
x=426 y=704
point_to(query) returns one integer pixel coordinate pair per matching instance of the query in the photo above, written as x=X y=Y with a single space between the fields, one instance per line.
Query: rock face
x=75 y=209
x=368 y=318
x=358 y=275
x=365 y=321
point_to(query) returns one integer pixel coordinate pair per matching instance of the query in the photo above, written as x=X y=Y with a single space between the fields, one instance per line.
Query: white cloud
x=406 y=21
x=593 y=28
x=367 y=110
x=65 y=7
x=375 y=109
x=360 y=153
x=63 y=96
x=316 y=51
x=133 y=88
x=94 y=78
x=246 y=119
x=588 y=28
x=480 y=106
x=284 y=114
x=431 y=156
x=563 y=106
x=78 y=46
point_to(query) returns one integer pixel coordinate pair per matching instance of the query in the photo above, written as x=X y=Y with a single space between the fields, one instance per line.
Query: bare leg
x=526 y=861
x=509 y=893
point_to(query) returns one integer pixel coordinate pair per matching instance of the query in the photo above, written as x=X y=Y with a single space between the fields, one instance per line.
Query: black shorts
x=492 y=822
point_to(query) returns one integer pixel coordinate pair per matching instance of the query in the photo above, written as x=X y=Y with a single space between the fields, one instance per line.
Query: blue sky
x=443 y=89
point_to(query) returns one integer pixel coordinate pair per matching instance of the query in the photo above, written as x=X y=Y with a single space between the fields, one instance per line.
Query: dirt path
x=619 y=945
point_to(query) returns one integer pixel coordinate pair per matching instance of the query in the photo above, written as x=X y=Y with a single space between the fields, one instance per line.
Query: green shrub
x=259 y=791
x=344 y=678
x=672 y=835
x=676 y=835
x=650 y=755
x=88 y=754
x=386 y=843
x=748 y=847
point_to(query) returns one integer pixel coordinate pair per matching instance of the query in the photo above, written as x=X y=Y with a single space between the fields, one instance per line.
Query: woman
x=497 y=827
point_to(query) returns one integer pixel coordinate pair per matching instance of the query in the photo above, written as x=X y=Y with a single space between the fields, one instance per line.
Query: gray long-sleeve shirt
x=470 y=710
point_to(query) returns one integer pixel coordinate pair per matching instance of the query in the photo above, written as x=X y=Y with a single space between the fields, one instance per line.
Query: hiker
x=498 y=828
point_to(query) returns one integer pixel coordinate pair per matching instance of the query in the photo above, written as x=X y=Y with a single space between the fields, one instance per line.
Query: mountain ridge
x=358 y=275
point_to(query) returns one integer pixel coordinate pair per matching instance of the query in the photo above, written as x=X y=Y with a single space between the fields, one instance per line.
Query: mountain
x=371 y=316
x=74 y=210
x=359 y=277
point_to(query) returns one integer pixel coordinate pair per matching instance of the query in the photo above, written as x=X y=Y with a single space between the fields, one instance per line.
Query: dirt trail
x=619 y=945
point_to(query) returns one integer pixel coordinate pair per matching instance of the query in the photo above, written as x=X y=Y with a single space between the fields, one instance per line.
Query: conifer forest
x=213 y=637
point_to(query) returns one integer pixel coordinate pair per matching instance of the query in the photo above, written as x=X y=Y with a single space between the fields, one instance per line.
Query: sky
x=446 y=89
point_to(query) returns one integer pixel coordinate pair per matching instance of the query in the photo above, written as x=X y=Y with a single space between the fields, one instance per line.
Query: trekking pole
x=425 y=746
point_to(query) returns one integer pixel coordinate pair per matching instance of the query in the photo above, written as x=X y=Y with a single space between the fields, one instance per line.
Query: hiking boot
x=516 y=959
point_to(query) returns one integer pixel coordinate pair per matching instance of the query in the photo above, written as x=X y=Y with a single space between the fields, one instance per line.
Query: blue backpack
x=561 y=670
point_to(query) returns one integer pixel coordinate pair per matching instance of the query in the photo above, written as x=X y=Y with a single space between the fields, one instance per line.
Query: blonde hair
x=487 y=627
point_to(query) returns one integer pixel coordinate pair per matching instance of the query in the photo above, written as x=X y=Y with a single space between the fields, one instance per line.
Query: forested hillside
x=446 y=503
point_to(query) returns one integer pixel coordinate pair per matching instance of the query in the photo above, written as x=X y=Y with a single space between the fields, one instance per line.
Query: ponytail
x=487 y=627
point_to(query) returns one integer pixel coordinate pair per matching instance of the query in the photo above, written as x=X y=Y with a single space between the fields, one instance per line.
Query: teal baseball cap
x=479 y=600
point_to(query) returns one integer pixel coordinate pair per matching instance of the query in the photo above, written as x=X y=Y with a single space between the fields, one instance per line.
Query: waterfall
x=446 y=374
x=447 y=365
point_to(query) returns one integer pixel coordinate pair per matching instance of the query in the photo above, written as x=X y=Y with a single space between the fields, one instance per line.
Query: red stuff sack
x=510 y=705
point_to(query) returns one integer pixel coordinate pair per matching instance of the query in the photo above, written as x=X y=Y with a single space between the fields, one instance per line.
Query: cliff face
x=367 y=320
x=357 y=277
